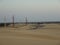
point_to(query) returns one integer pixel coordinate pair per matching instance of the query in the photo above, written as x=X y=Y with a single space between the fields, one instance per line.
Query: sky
x=34 y=10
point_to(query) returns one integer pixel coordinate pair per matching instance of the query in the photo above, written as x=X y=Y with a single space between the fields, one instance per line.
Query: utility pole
x=26 y=20
x=5 y=21
x=13 y=21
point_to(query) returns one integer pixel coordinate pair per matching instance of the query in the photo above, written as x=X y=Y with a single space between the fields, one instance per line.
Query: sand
x=24 y=35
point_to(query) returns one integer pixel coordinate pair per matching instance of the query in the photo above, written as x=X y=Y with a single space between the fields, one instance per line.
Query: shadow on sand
x=36 y=26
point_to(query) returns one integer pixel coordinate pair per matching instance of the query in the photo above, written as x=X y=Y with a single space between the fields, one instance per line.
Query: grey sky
x=35 y=10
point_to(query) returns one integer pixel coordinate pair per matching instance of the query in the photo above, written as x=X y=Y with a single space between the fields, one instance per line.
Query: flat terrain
x=48 y=34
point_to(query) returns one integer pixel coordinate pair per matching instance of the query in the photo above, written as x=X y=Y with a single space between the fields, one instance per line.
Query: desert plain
x=48 y=34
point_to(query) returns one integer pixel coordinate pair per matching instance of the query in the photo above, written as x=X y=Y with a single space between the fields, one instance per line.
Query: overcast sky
x=34 y=10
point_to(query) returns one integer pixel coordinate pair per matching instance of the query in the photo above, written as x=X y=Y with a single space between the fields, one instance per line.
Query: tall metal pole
x=13 y=21
x=26 y=21
x=5 y=21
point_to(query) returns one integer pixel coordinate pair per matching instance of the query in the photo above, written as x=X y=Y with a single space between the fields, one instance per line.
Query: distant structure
x=26 y=20
x=13 y=21
x=5 y=21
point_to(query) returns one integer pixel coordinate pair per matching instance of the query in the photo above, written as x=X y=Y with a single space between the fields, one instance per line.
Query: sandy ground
x=24 y=35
